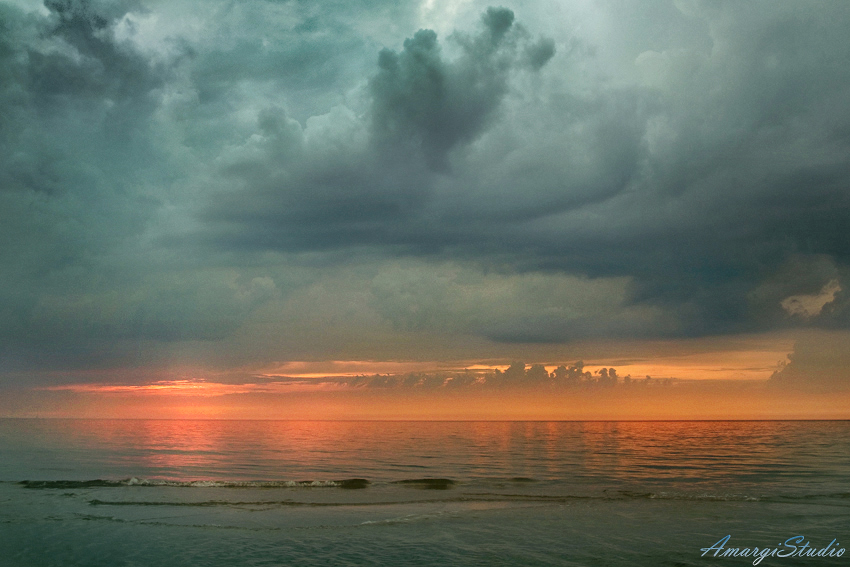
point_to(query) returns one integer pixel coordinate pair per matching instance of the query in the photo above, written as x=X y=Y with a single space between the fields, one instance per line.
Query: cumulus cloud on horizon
x=310 y=177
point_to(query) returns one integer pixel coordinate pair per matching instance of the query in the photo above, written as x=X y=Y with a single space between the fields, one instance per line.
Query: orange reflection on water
x=610 y=456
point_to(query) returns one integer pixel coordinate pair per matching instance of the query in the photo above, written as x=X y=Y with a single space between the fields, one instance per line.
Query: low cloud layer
x=315 y=180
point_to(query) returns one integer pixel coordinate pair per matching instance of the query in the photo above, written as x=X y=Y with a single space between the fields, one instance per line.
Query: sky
x=219 y=196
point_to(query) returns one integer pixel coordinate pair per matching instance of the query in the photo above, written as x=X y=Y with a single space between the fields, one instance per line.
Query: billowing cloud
x=675 y=175
x=178 y=183
x=811 y=305
x=425 y=104
x=820 y=362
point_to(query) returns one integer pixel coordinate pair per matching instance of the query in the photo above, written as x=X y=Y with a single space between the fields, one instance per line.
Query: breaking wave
x=350 y=483
x=428 y=483
x=516 y=489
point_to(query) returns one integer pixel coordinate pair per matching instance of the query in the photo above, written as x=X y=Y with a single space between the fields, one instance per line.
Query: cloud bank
x=312 y=180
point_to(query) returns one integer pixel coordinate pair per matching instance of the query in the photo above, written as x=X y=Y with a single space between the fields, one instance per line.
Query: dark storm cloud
x=81 y=177
x=409 y=176
x=77 y=69
x=69 y=99
x=374 y=183
x=169 y=173
x=110 y=115
x=93 y=66
x=723 y=161
x=420 y=100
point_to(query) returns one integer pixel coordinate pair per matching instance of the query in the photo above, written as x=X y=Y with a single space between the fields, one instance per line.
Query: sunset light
x=443 y=283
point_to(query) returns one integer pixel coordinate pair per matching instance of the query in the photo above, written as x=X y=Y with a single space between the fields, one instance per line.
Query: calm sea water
x=227 y=493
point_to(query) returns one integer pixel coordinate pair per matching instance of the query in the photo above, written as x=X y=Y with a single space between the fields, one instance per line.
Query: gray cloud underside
x=168 y=173
x=820 y=362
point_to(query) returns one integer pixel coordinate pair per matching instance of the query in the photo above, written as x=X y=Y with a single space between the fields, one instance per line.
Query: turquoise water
x=195 y=493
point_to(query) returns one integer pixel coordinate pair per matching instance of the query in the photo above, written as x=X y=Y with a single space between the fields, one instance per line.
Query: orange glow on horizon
x=716 y=380
x=682 y=400
x=190 y=388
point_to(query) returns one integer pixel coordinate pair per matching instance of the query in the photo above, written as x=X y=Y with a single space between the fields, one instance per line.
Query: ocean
x=168 y=493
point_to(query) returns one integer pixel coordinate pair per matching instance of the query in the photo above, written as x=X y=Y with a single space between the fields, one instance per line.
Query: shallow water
x=170 y=492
